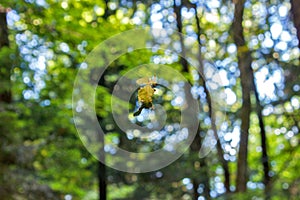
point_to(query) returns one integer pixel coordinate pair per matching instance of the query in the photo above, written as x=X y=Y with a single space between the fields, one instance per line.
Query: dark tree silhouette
x=244 y=63
x=5 y=95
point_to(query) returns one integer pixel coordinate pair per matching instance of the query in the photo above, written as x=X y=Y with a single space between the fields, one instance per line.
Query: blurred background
x=253 y=44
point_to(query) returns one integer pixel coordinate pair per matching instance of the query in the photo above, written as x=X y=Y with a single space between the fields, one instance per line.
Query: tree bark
x=264 y=157
x=244 y=63
x=102 y=180
x=101 y=171
x=195 y=146
x=296 y=17
x=220 y=151
x=5 y=94
x=4 y=42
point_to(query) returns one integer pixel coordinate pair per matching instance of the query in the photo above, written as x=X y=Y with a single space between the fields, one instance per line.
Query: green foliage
x=41 y=155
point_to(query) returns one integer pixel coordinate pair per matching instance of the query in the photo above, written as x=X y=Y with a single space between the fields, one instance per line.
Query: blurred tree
x=5 y=93
x=196 y=145
x=244 y=63
x=220 y=151
x=295 y=8
x=248 y=85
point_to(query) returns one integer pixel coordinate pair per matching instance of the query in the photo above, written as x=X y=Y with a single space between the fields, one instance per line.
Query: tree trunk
x=244 y=63
x=4 y=42
x=195 y=146
x=220 y=151
x=101 y=168
x=102 y=180
x=296 y=17
x=5 y=93
x=6 y=159
x=265 y=157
